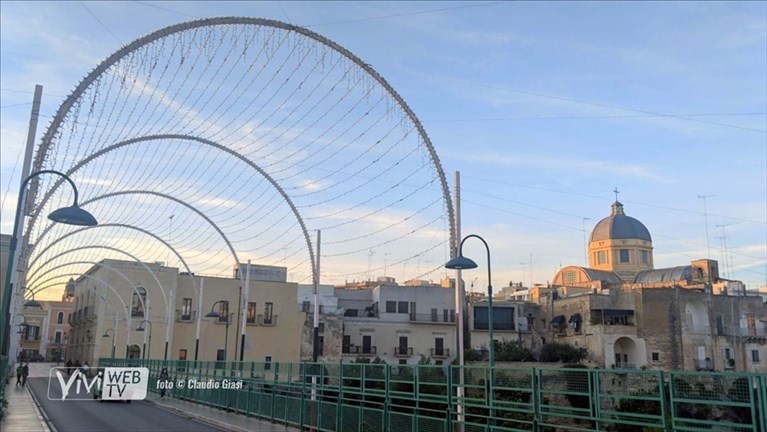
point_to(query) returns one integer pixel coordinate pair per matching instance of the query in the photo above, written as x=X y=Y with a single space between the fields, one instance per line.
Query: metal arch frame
x=93 y=263
x=213 y=144
x=118 y=55
x=194 y=282
x=125 y=306
x=162 y=290
x=128 y=192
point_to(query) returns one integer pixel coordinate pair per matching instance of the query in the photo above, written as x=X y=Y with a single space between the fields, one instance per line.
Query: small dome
x=619 y=226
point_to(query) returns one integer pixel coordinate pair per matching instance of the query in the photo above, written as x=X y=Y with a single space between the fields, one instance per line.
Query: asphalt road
x=89 y=415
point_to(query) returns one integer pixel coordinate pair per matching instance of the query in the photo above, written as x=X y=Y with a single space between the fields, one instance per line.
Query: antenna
x=728 y=267
x=705 y=217
x=370 y=264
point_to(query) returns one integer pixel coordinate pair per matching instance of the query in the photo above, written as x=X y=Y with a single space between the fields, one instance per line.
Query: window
x=391 y=307
x=412 y=311
x=570 y=277
x=57 y=340
x=182 y=354
x=320 y=346
x=403 y=361
x=719 y=326
x=346 y=344
x=402 y=307
x=220 y=356
x=438 y=362
x=251 y=318
x=268 y=311
x=186 y=309
x=729 y=361
x=452 y=315
x=601 y=257
x=755 y=356
x=268 y=363
x=503 y=318
x=439 y=346
x=223 y=312
x=624 y=255
x=60 y=318
x=655 y=357
x=32 y=332
x=645 y=257
x=444 y=315
x=306 y=306
x=434 y=315
x=367 y=344
x=139 y=301
x=321 y=328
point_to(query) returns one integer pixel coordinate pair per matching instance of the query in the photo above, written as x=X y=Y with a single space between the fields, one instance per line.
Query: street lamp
x=214 y=314
x=141 y=328
x=106 y=334
x=462 y=263
x=72 y=215
x=33 y=303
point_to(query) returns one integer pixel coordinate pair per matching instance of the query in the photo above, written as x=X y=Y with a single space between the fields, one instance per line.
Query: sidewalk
x=216 y=417
x=22 y=414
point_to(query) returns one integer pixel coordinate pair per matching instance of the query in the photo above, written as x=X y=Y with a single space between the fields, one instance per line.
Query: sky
x=544 y=108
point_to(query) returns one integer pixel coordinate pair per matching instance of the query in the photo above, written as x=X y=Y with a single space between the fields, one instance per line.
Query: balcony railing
x=267 y=321
x=192 y=316
x=439 y=352
x=403 y=351
x=704 y=365
x=431 y=318
x=359 y=350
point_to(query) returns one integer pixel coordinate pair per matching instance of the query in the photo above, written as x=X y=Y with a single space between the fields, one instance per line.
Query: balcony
x=181 y=317
x=403 y=351
x=359 y=350
x=267 y=321
x=439 y=352
x=704 y=365
x=624 y=365
x=432 y=318
x=361 y=313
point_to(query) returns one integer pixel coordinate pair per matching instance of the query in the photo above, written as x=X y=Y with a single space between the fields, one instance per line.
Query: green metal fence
x=378 y=397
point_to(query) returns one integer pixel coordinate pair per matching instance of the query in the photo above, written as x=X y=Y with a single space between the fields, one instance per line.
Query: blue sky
x=544 y=107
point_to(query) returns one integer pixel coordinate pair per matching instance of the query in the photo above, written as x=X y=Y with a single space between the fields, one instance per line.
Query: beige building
x=114 y=299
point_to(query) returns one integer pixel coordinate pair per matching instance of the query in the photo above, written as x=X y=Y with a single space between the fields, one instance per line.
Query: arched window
x=60 y=318
x=137 y=306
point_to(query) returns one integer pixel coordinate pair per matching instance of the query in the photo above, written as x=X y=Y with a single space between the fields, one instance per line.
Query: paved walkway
x=23 y=414
x=216 y=417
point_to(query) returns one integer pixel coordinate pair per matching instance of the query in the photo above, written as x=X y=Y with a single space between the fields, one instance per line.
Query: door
x=439 y=346
x=402 y=350
x=367 y=342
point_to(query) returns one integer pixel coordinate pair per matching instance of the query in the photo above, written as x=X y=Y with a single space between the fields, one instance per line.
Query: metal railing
x=439 y=352
x=412 y=398
x=403 y=351
x=359 y=349
x=431 y=318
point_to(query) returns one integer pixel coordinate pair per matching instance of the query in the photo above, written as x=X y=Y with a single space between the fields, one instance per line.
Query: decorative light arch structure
x=132 y=73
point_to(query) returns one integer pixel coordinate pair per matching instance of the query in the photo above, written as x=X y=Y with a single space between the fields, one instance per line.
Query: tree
x=514 y=351
x=559 y=352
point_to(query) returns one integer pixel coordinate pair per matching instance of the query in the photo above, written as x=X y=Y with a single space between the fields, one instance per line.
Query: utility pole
x=705 y=217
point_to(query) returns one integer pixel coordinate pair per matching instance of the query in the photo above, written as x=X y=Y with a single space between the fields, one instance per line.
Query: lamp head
x=73 y=215
x=140 y=328
x=33 y=303
x=212 y=314
x=460 y=263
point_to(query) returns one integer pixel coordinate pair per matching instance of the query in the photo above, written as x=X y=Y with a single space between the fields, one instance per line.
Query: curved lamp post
x=462 y=263
x=72 y=215
x=141 y=328
x=214 y=314
x=106 y=334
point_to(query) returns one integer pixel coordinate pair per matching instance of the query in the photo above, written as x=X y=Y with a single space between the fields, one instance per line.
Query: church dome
x=619 y=226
